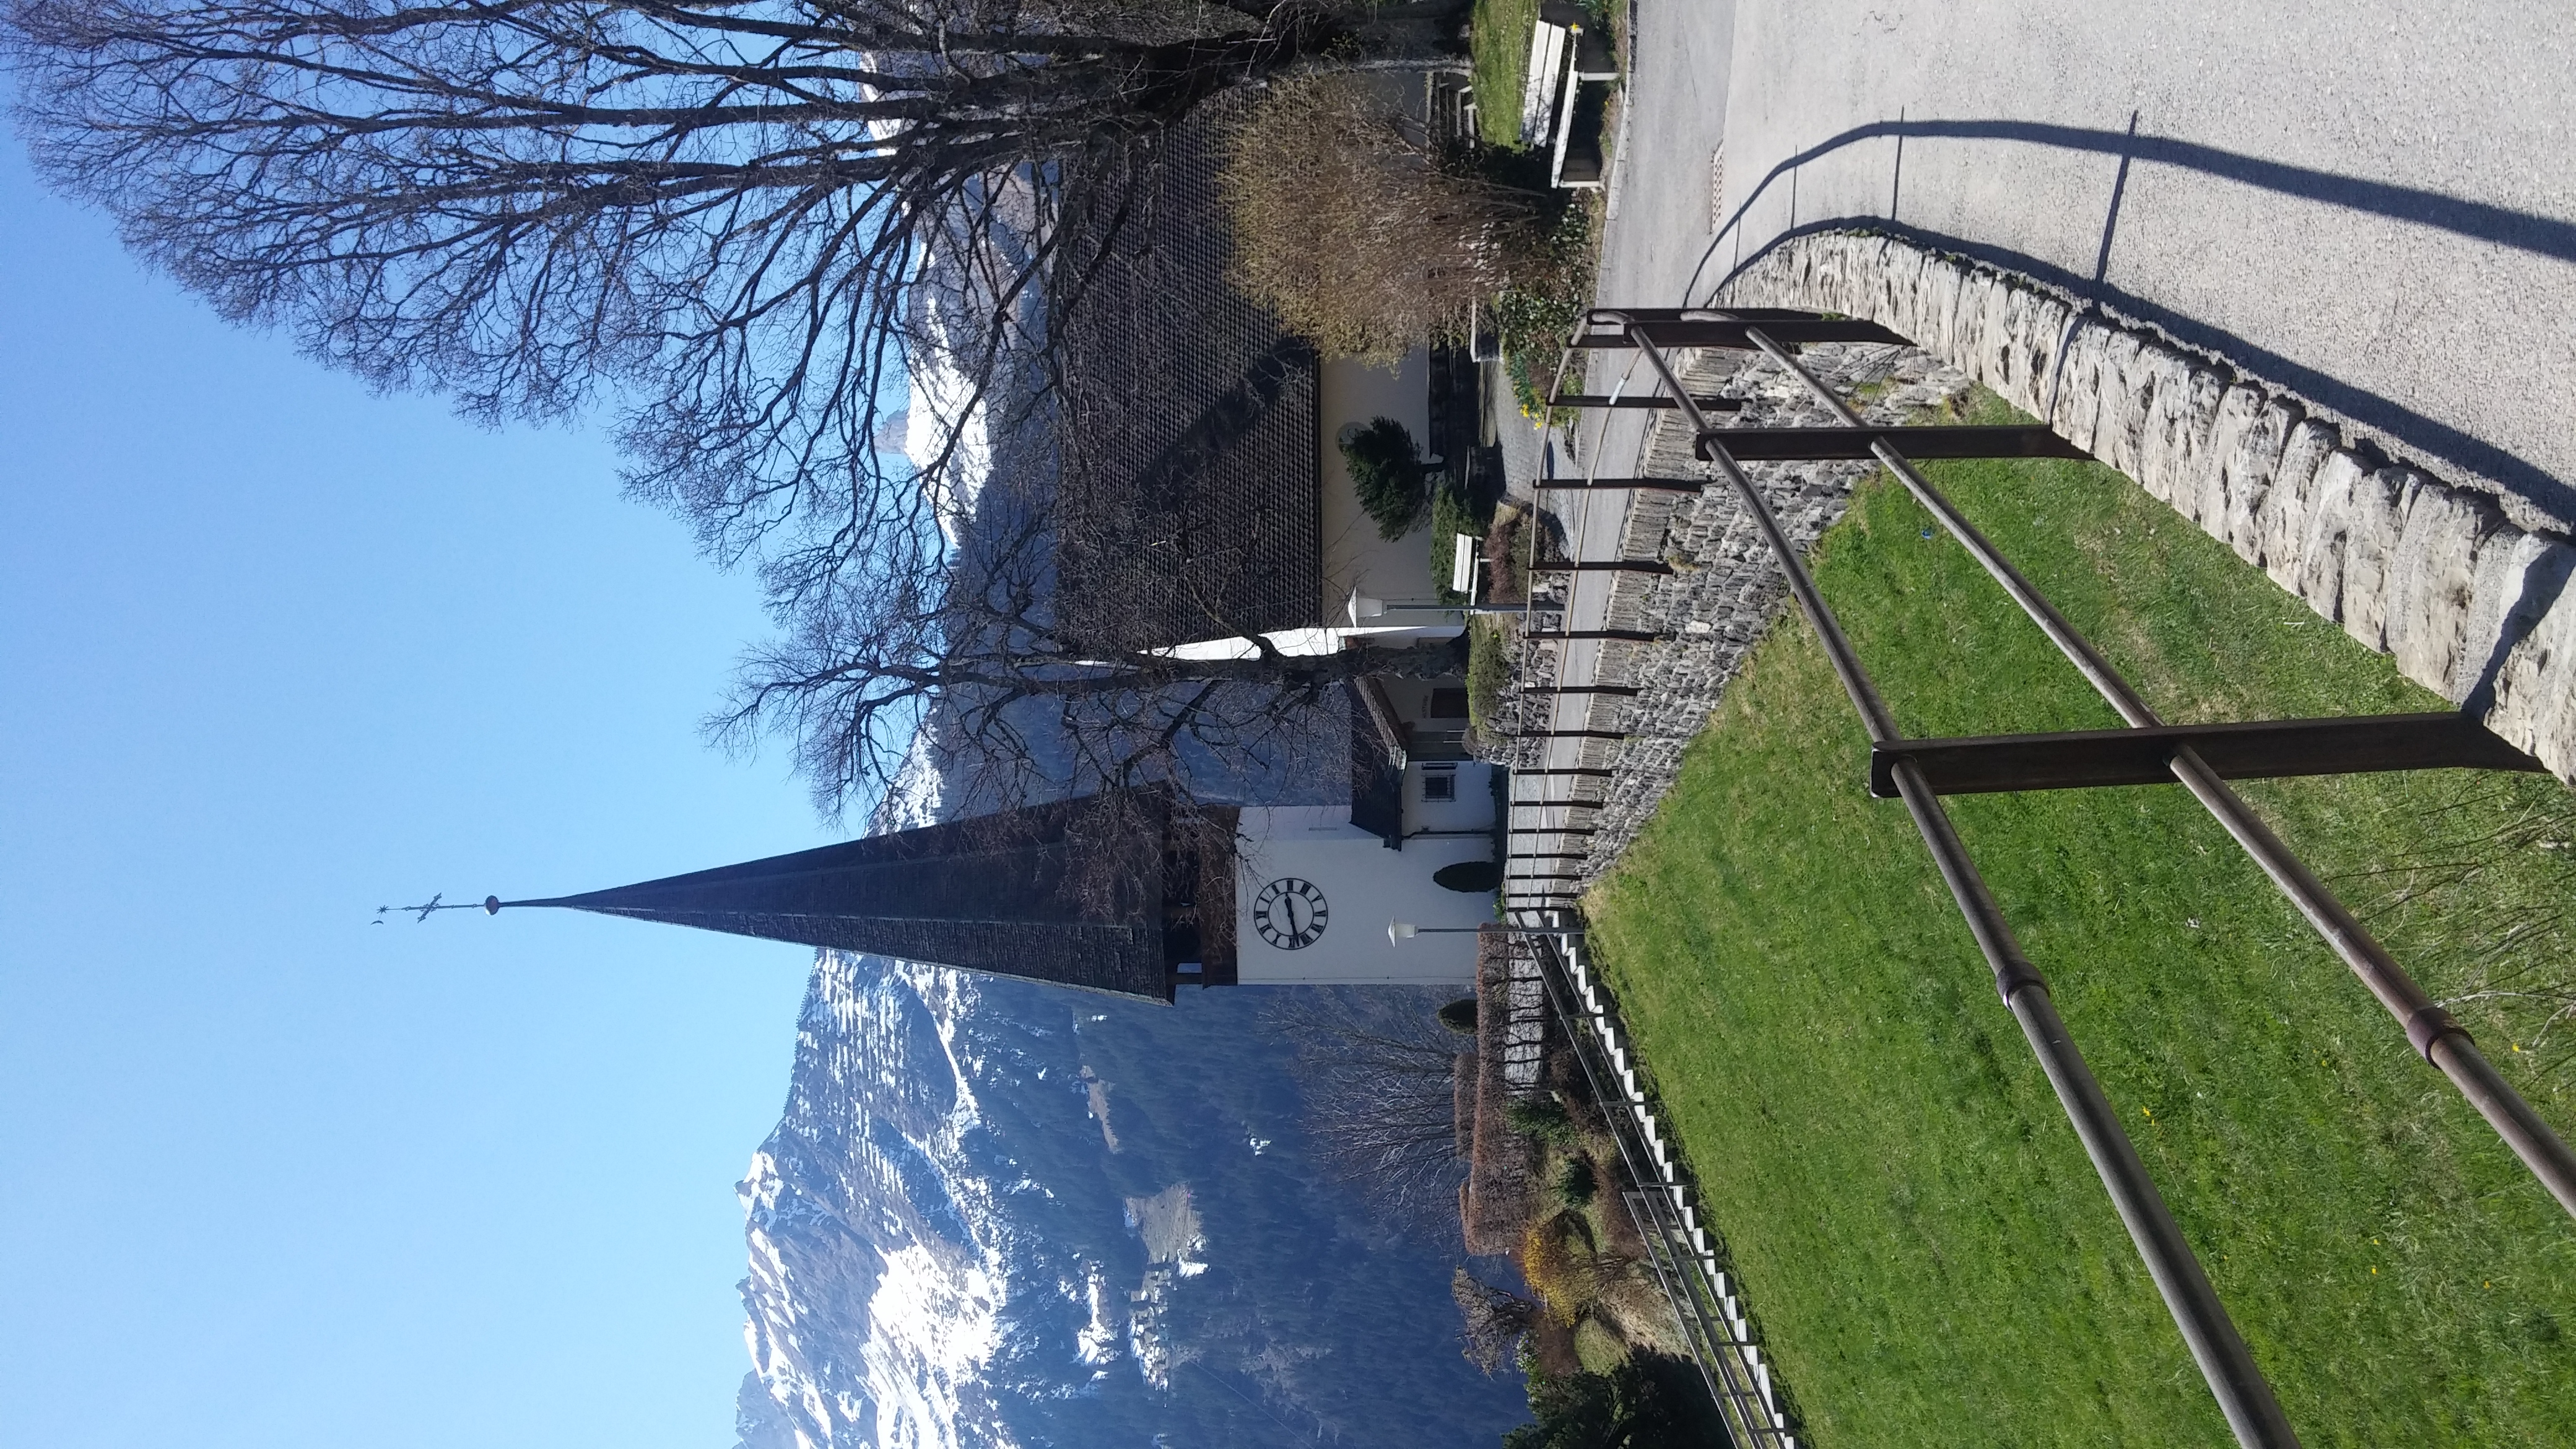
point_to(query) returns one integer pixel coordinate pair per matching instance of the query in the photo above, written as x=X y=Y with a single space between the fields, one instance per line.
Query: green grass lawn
x=1498 y=45
x=1928 y=1252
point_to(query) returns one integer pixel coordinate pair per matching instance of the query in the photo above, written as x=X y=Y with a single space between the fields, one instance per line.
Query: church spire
x=1108 y=892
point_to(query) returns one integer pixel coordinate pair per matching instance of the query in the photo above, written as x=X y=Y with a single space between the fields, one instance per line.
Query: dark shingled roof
x=1078 y=892
x=1189 y=504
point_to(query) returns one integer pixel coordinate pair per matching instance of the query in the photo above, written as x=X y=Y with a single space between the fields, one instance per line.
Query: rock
x=2451 y=593
x=2316 y=552
x=2535 y=688
x=2433 y=582
x=2281 y=519
x=2245 y=476
x=2373 y=523
x=2205 y=502
x=1726 y=592
x=2521 y=578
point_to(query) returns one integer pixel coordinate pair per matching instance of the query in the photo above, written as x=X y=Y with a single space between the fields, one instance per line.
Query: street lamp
x=1397 y=931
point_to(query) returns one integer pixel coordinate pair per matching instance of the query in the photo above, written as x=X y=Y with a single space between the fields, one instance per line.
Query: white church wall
x=1350 y=391
x=1472 y=805
x=1291 y=858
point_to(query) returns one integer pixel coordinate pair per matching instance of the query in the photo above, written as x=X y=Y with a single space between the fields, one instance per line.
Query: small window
x=1440 y=785
x=1446 y=704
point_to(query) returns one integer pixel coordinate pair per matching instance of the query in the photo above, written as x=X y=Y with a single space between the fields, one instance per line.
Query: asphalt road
x=2371 y=205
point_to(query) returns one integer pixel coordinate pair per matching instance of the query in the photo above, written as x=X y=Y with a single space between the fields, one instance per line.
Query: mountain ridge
x=946 y=1251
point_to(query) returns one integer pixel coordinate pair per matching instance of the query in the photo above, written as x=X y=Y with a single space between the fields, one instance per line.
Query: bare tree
x=1367 y=234
x=722 y=212
x=1015 y=701
x=1377 y=1070
x=1495 y=1320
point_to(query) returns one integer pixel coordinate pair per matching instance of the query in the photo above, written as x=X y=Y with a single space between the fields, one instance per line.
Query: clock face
x=1290 y=913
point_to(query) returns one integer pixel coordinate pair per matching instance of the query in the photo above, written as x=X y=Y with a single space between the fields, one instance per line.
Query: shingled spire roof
x=1102 y=892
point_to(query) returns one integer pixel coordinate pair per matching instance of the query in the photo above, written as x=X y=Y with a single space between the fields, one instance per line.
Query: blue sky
x=275 y=652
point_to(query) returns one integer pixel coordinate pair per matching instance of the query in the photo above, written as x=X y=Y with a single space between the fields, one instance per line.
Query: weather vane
x=490 y=906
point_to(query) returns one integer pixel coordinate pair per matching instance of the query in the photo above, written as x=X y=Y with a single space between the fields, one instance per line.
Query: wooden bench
x=1571 y=70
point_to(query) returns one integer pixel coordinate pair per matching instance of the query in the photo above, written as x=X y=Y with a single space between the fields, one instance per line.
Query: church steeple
x=1112 y=893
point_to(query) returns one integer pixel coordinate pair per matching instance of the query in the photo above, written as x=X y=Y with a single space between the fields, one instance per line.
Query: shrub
x=1386 y=469
x=1366 y=241
x=1506 y=543
x=1534 y=315
x=1598 y=1347
x=1460 y=1016
x=1557 y=1261
x=1648 y=1402
x=1544 y=1118
x=1489 y=668
x=1577 y=1183
x=1495 y=1320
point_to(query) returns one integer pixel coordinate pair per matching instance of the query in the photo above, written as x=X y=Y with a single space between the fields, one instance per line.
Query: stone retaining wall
x=1725 y=590
x=2466 y=589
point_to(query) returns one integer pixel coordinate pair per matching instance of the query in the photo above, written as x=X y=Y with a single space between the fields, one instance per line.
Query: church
x=1202 y=499
x=1137 y=894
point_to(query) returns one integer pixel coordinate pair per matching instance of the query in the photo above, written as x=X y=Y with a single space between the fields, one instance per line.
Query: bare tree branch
x=1013 y=695
x=1377 y=1072
x=768 y=232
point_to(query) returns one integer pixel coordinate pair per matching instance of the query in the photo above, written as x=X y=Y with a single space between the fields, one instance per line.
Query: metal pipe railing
x=2243 y=1395
x=2441 y=1040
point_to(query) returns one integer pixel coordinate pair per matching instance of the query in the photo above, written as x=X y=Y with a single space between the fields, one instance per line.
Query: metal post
x=2430 y=1029
x=1581 y=689
x=2242 y=1393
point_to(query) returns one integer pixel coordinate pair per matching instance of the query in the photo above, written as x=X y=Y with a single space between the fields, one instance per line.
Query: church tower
x=1140 y=892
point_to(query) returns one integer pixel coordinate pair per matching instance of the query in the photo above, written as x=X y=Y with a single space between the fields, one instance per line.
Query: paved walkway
x=2373 y=206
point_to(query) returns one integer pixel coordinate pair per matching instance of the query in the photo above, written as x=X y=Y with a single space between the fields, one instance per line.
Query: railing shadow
x=2436 y=440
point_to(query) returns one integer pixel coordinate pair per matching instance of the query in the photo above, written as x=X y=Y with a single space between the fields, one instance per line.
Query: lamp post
x=1400 y=931
x=1408 y=929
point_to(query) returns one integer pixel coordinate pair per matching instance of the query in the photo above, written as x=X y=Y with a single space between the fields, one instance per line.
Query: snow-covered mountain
x=1003 y=1214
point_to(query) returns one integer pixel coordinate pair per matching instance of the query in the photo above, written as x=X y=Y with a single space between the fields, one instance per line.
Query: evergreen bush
x=1651 y=1401
x=1386 y=468
x=1544 y=1118
x=1577 y=1184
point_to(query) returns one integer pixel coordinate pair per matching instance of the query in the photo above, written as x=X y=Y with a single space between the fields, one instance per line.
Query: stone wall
x=2466 y=589
x=1724 y=591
